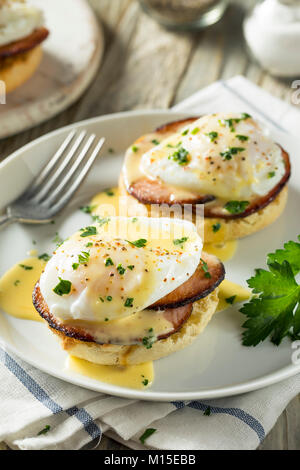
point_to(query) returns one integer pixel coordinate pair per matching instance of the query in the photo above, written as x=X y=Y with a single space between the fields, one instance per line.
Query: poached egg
x=228 y=155
x=119 y=266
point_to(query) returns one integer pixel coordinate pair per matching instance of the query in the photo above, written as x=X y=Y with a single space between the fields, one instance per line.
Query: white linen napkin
x=31 y=400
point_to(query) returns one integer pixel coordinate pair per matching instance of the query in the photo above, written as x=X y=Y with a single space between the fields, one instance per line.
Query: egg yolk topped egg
x=119 y=266
x=226 y=155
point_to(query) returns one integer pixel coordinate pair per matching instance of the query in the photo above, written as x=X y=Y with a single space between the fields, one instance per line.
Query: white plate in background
x=69 y=64
x=216 y=364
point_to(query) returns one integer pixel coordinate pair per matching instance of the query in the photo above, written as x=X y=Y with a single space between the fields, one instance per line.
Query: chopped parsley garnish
x=101 y=298
x=212 y=135
x=121 y=270
x=141 y=243
x=145 y=382
x=111 y=150
x=242 y=138
x=45 y=257
x=75 y=266
x=180 y=241
x=275 y=309
x=204 y=267
x=83 y=257
x=147 y=434
x=155 y=142
x=89 y=244
x=236 y=207
x=271 y=174
x=149 y=340
x=26 y=267
x=185 y=132
x=207 y=411
x=131 y=267
x=57 y=239
x=109 y=192
x=109 y=262
x=216 y=227
x=106 y=319
x=180 y=156
x=227 y=154
x=63 y=287
x=88 y=231
x=101 y=220
x=109 y=298
x=230 y=122
x=134 y=148
x=129 y=302
x=135 y=219
x=17 y=282
x=195 y=131
x=87 y=209
x=231 y=299
x=45 y=430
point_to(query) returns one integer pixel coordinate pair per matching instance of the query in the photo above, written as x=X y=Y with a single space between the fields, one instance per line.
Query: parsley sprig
x=275 y=310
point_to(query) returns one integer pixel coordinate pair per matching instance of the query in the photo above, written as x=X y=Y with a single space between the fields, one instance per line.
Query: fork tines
x=65 y=171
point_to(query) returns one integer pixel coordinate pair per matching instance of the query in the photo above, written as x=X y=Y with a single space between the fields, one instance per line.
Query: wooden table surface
x=146 y=66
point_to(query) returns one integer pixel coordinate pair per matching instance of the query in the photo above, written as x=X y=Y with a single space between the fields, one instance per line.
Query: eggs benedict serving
x=129 y=290
x=21 y=33
x=225 y=161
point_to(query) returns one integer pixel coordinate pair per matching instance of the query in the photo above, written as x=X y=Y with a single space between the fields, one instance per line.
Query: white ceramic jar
x=272 y=32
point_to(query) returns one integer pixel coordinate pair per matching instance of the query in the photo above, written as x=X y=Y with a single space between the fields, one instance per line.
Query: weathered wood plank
x=142 y=68
x=277 y=438
x=219 y=52
x=293 y=424
x=109 y=444
x=110 y=12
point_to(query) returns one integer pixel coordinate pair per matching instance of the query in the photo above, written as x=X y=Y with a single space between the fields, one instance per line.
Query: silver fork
x=57 y=182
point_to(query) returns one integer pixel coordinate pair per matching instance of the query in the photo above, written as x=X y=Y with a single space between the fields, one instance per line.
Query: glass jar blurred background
x=272 y=33
x=185 y=14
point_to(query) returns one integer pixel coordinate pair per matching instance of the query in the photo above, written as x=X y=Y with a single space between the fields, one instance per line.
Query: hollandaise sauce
x=113 y=203
x=106 y=202
x=224 y=251
x=138 y=376
x=16 y=288
x=231 y=293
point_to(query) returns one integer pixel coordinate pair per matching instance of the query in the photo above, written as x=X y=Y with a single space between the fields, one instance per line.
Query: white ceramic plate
x=64 y=73
x=216 y=364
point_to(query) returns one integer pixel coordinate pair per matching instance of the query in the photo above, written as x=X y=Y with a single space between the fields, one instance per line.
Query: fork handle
x=5 y=220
